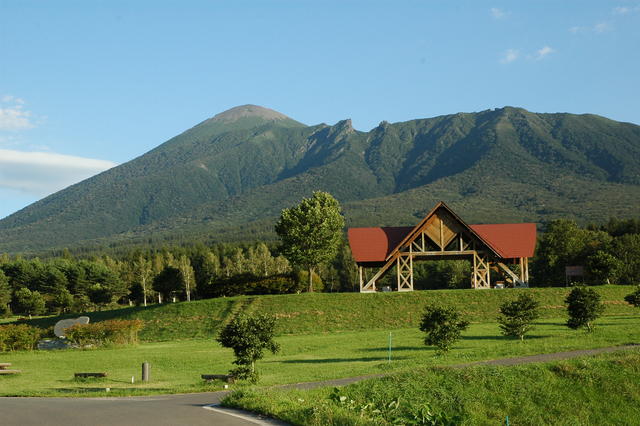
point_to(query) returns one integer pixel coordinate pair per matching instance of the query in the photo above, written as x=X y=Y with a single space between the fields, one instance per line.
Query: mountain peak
x=243 y=111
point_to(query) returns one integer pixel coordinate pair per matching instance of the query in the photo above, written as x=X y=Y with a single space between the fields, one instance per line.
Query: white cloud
x=602 y=27
x=43 y=173
x=621 y=10
x=599 y=28
x=13 y=116
x=543 y=53
x=497 y=13
x=509 y=56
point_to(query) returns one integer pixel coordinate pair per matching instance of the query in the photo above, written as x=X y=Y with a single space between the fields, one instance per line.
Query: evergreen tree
x=5 y=295
x=443 y=326
x=516 y=316
x=28 y=302
x=584 y=307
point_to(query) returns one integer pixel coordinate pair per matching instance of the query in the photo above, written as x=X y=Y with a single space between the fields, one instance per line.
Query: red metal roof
x=510 y=241
x=374 y=244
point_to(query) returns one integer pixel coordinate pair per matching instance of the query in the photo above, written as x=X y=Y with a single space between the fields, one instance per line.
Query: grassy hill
x=230 y=176
x=310 y=313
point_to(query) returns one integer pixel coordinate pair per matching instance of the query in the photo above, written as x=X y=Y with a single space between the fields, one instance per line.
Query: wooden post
x=474 y=280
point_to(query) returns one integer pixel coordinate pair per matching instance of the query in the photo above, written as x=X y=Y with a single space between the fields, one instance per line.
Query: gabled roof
x=506 y=241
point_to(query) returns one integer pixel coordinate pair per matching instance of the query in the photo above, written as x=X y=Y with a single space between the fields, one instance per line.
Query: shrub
x=633 y=298
x=249 y=336
x=516 y=316
x=584 y=307
x=443 y=326
x=20 y=337
x=116 y=332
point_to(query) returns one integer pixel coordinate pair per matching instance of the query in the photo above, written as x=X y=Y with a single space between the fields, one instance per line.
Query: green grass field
x=598 y=390
x=311 y=313
x=176 y=366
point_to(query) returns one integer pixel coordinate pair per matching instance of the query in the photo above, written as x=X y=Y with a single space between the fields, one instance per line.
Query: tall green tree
x=311 y=231
x=187 y=274
x=28 y=302
x=5 y=295
x=143 y=272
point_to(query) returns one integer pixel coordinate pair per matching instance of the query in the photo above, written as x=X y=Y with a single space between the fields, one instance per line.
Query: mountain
x=229 y=176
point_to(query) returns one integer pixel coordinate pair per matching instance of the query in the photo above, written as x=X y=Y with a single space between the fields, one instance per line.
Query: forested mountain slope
x=232 y=174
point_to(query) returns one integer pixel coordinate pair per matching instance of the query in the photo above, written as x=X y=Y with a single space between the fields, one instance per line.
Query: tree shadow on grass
x=396 y=349
x=560 y=324
x=503 y=338
x=332 y=360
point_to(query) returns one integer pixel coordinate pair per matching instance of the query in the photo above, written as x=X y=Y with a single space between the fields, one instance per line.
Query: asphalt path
x=160 y=410
x=188 y=409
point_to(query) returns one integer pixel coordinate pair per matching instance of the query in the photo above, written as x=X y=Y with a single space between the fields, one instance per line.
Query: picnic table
x=4 y=368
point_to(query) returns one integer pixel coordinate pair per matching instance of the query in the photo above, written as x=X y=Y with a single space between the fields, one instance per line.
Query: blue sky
x=88 y=85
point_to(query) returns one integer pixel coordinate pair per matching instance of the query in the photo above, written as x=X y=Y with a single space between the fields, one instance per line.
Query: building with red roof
x=442 y=234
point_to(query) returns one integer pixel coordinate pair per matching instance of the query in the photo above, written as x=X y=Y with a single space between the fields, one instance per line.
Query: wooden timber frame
x=443 y=235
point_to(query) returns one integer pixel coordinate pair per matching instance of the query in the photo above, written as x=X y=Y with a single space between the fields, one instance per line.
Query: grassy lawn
x=599 y=390
x=176 y=366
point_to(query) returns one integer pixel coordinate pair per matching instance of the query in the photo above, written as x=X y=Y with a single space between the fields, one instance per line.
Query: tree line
x=69 y=284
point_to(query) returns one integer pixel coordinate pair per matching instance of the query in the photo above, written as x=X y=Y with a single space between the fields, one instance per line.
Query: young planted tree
x=517 y=316
x=584 y=307
x=311 y=231
x=633 y=298
x=443 y=326
x=249 y=337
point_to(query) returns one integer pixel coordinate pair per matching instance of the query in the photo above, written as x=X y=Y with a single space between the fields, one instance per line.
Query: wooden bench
x=4 y=368
x=85 y=375
x=224 y=377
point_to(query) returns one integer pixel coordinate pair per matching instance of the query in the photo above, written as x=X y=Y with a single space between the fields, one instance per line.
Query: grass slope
x=600 y=390
x=337 y=312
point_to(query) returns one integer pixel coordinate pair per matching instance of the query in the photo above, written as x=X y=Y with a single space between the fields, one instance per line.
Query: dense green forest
x=610 y=253
x=228 y=178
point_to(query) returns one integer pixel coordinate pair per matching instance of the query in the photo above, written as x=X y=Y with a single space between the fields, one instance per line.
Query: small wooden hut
x=443 y=235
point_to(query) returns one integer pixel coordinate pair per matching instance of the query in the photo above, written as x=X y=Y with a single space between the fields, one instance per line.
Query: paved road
x=186 y=409
x=161 y=410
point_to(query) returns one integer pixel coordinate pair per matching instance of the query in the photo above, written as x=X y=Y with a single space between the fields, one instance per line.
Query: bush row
x=18 y=337
x=116 y=332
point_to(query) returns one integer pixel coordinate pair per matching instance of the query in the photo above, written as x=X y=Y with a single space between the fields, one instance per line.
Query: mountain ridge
x=244 y=168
